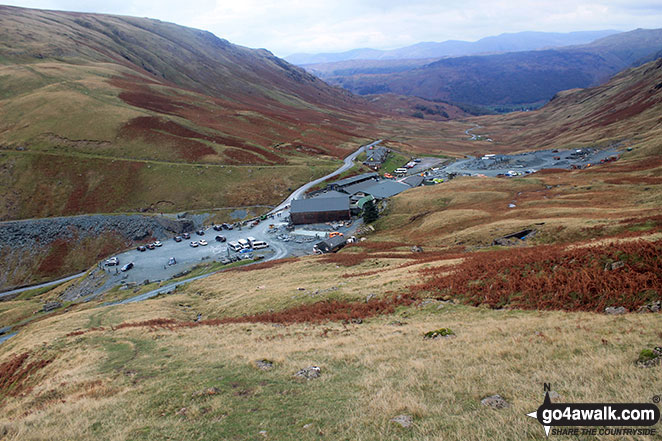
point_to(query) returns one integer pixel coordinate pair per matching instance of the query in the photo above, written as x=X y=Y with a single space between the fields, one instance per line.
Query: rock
x=308 y=426
x=615 y=310
x=51 y=306
x=554 y=396
x=649 y=358
x=369 y=297
x=301 y=289
x=614 y=265
x=495 y=401
x=356 y=321
x=416 y=249
x=181 y=411
x=309 y=373
x=439 y=333
x=263 y=433
x=265 y=365
x=403 y=420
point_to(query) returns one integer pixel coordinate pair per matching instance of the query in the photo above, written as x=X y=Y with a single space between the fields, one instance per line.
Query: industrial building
x=320 y=209
x=339 y=185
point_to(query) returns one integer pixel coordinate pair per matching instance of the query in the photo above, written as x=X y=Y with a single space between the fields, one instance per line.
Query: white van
x=259 y=244
x=400 y=171
x=244 y=243
x=251 y=240
x=234 y=246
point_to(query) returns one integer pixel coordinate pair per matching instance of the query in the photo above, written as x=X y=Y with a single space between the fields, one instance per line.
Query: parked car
x=203 y=242
x=177 y=238
x=217 y=228
x=172 y=261
x=127 y=267
x=186 y=235
x=141 y=248
x=194 y=244
x=200 y=232
x=112 y=261
x=220 y=239
x=150 y=246
x=158 y=243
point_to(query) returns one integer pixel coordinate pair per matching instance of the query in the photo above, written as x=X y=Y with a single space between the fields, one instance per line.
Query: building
x=413 y=181
x=381 y=189
x=330 y=245
x=319 y=210
x=375 y=158
x=339 y=185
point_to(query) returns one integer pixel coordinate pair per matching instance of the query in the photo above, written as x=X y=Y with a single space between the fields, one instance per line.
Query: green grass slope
x=114 y=95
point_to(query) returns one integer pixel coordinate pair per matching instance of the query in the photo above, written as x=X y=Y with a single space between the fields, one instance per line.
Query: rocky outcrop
x=41 y=232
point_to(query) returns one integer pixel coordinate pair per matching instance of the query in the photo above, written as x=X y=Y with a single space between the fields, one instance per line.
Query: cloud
x=288 y=26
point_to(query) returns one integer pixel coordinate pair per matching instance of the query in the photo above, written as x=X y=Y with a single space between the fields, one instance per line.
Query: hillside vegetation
x=137 y=106
x=233 y=356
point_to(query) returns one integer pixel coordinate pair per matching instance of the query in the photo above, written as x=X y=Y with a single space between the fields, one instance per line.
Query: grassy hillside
x=104 y=91
x=519 y=316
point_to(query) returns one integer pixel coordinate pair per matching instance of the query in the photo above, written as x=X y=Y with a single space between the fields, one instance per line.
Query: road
x=15 y=292
x=348 y=163
x=152 y=264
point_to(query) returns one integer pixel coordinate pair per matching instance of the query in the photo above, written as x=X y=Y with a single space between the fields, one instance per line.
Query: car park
x=127 y=267
x=203 y=242
x=193 y=244
x=186 y=235
x=141 y=248
x=177 y=238
x=220 y=238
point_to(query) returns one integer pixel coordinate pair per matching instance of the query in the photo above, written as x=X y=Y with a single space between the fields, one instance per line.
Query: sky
x=286 y=27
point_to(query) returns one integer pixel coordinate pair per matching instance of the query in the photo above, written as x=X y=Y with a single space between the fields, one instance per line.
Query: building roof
x=413 y=181
x=358 y=187
x=364 y=199
x=331 y=243
x=317 y=205
x=353 y=179
x=379 y=189
x=330 y=194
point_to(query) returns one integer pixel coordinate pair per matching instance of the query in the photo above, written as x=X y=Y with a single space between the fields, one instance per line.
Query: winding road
x=348 y=163
x=280 y=250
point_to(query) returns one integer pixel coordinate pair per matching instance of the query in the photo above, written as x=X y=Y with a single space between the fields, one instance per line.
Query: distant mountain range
x=511 y=42
x=503 y=81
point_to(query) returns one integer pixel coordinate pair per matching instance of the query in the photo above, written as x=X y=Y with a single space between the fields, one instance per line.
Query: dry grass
x=370 y=373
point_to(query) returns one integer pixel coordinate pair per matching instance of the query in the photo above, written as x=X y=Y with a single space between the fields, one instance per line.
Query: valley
x=421 y=278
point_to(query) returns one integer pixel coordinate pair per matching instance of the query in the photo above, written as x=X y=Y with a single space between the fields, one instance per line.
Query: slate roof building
x=376 y=157
x=319 y=210
x=413 y=181
x=379 y=189
x=330 y=245
x=339 y=185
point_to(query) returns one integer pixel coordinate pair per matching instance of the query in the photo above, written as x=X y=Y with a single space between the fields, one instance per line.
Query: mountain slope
x=509 y=42
x=108 y=94
x=517 y=78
